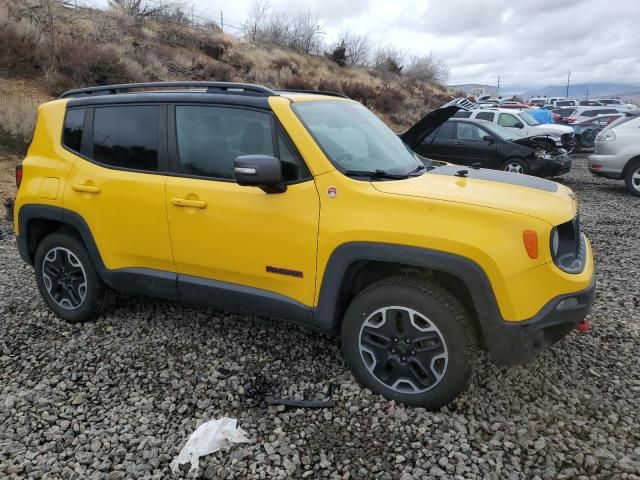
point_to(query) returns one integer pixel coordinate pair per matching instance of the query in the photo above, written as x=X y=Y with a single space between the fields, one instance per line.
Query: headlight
x=568 y=248
x=606 y=136
x=543 y=155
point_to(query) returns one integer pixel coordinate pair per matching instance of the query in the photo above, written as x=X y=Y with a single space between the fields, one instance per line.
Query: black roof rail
x=211 y=87
x=316 y=92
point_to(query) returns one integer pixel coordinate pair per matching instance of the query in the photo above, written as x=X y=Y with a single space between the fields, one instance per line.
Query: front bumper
x=551 y=168
x=514 y=343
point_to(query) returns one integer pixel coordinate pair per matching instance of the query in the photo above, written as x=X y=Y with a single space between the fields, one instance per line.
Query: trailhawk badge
x=332 y=192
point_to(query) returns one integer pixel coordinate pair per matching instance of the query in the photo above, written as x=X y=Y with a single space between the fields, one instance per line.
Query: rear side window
x=447 y=131
x=462 y=114
x=73 y=128
x=126 y=136
x=485 y=116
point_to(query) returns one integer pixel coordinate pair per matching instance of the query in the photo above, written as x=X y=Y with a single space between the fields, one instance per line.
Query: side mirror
x=519 y=125
x=488 y=138
x=261 y=171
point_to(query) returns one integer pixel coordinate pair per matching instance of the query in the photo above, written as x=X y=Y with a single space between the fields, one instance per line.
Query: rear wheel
x=410 y=341
x=516 y=165
x=632 y=177
x=67 y=279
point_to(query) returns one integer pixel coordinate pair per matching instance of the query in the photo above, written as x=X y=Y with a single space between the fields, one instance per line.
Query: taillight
x=18 y=175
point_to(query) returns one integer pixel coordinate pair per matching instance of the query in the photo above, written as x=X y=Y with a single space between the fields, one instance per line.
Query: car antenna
x=462 y=173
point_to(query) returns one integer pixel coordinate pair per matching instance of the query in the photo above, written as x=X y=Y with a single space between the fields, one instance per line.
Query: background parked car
x=617 y=151
x=615 y=102
x=469 y=142
x=586 y=113
x=590 y=103
x=564 y=113
x=586 y=130
x=524 y=125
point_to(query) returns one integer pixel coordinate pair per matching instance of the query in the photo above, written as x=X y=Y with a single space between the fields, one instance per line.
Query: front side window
x=354 y=138
x=73 y=127
x=126 y=136
x=528 y=119
x=210 y=138
x=508 y=120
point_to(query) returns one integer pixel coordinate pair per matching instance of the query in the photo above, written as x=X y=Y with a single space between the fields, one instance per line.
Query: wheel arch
x=628 y=165
x=353 y=266
x=37 y=221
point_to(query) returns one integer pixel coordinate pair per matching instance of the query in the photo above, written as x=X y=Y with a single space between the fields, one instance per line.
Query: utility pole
x=498 y=84
x=53 y=35
x=221 y=21
x=568 y=79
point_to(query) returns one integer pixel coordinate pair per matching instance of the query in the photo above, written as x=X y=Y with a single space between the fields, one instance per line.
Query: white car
x=524 y=125
x=615 y=102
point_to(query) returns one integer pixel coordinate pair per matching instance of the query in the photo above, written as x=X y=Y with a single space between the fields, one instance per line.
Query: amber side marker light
x=531 y=243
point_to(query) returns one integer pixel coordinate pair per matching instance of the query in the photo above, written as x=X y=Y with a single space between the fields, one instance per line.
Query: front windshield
x=355 y=139
x=506 y=134
x=529 y=119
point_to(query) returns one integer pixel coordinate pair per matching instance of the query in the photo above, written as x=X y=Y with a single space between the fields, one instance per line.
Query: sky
x=528 y=43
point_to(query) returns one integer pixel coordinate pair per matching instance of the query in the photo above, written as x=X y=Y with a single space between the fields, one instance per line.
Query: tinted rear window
x=462 y=114
x=73 y=128
x=126 y=136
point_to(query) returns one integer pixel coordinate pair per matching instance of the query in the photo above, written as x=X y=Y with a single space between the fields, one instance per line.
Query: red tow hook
x=583 y=326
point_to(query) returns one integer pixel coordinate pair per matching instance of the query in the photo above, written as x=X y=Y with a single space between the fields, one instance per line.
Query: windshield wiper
x=374 y=174
x=418 y=169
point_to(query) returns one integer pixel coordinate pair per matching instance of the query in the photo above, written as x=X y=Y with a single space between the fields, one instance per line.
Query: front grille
x=568 y=140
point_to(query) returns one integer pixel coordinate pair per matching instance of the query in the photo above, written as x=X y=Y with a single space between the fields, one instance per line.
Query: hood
x=432 y=120
x=551 y=129
x=512 y=192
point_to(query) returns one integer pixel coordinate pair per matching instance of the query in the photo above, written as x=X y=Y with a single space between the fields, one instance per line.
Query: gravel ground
x=118 y=398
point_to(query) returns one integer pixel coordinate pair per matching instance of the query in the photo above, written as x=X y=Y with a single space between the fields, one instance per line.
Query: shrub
x=17 y=119
x=21 y=50
x=215 y=46
x=217 y=71
x=329 y=85
x=282 y=62
x=80 y=64
x=388 y=100
x=338 y=54
x=297 y=82
x=361 y=92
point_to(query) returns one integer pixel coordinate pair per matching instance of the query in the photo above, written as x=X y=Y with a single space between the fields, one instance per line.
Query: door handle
x=84 y=188
x=458 y=143
x=185 y=202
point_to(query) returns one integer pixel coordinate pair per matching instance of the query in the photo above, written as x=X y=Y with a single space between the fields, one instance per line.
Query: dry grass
x=17 y=118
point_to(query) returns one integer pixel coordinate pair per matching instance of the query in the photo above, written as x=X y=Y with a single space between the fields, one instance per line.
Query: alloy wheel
x=635 y=179
x=64 y=278
x=403 y=350
x=513 y=167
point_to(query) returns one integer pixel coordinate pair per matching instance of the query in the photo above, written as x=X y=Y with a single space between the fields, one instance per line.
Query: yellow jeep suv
x=305 y=207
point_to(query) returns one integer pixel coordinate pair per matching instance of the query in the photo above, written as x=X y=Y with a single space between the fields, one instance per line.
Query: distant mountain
x=579 y=90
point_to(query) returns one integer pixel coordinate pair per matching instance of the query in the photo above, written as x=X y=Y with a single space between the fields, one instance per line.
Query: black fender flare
x=468 y=271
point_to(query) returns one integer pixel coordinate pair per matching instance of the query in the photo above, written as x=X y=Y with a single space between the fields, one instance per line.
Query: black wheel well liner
x=353 y=266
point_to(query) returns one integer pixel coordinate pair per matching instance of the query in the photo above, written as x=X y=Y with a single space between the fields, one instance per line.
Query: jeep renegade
x=304 y=207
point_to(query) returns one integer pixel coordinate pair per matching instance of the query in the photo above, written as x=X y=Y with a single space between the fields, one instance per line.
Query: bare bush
x=20 y=45
x=427 y=68
x=300 y=32
x=17 y=119
x=139 y=8
x=389 y=59
x=356 y=47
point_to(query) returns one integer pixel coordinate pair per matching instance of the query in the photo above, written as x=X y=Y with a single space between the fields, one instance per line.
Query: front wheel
x=410 y=341
x=67 y=279
x=515 y=165
x=632 y=178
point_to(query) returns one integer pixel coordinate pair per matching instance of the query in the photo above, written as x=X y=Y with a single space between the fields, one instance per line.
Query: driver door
x=224 y=232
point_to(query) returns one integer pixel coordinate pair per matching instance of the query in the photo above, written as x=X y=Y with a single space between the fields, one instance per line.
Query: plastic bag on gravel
x=209 y=437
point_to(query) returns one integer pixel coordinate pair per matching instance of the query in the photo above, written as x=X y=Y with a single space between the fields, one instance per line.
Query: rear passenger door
x=440 y=145
x=117 y=182
x=229 y=239
x=473 y=147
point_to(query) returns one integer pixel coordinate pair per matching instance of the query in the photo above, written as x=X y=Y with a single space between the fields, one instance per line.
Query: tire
x=515 y=165
x=67 y=279
x=394 y=369
x=632 y=177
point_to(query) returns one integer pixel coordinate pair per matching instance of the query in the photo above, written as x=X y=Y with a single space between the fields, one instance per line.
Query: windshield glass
x=501 y=132
x=355 y=139
x=529 y=119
